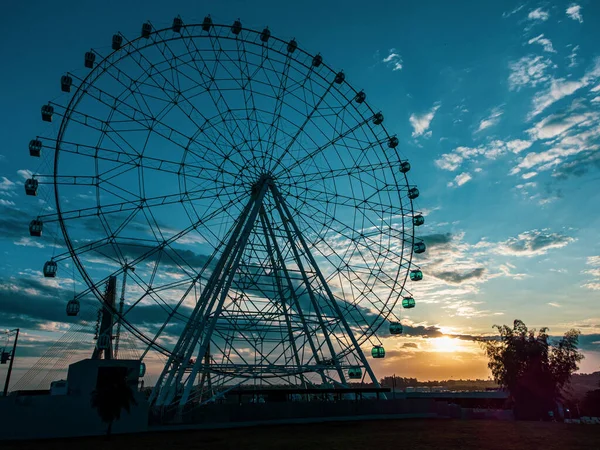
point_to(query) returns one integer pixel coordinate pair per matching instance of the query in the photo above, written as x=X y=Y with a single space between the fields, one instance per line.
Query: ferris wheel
x=250 y=201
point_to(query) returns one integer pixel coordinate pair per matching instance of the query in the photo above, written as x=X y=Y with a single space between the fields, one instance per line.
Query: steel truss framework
x=257 y=200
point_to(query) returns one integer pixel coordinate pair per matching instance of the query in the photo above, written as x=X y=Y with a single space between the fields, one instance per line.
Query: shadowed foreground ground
x=383 y=434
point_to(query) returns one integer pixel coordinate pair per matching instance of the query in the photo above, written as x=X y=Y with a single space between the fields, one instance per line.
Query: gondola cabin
x=35 y=148
x=73 y=307
x=89 y=59
x=47 y=113
x=207 y=23
x=50 y=269
x=418 y=220
x=317 y=60
x=146 y=30
x=117 y=41
x=395 y=328
x=416 y=275
x=65 y=83
x=292 y=46
x=35 y=227
x=236 y=28
x=355 y=373
x=378 y=352
x=420 y=247
x=408 y=302
x=177 y=24
x=31 y=186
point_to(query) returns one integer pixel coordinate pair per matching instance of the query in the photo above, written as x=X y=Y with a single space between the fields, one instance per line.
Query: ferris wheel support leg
x=176 y=362
x=223 y=290
x=284 y=305
x=286 y=219
x=293 y=294
x=281 y=204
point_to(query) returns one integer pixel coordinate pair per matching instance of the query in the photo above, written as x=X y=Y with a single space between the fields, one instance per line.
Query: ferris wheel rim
x=95 y=74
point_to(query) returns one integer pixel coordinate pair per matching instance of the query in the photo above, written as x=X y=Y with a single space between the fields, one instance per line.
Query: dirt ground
x=380 y=435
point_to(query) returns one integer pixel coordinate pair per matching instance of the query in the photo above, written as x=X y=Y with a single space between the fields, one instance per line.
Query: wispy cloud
x=452 y=161
x=528 y=71
x=514 y=11
x=573 y=56
x=25 y=173
x=561 y=87
x=544 y=42
x=594 y=283
x=420 y=123
x=533 y=243
x=491 y=120
x=538 y=14
x=393 y=60
x=574 y=12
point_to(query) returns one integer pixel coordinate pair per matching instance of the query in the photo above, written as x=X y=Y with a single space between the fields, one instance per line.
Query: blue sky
x=496 y=104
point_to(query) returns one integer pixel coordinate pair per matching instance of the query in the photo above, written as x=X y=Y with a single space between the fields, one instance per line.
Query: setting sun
x=446 y=344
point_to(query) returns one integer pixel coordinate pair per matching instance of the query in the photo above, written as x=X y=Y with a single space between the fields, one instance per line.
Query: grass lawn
x=383 y=434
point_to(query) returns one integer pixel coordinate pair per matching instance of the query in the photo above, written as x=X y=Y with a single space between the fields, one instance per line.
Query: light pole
x=5 y=356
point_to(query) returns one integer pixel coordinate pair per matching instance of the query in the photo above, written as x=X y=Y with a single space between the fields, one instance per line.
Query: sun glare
x=445 y=344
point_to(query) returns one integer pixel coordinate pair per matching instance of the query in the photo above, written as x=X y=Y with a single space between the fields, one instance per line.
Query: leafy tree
x=532 y=369
x=112 y=396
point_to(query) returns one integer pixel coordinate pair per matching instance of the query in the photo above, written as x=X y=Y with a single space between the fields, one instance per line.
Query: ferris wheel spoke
x=301 y=128
x=182 y=98
x=348 y=232
x=127 y=205
x=317 y=151
x=152 y=126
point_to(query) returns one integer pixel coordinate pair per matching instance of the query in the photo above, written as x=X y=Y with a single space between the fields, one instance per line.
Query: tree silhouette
x=531 y=368
x=112 y=395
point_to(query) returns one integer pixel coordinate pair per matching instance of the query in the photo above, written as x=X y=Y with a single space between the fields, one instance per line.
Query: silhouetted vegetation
x=533 y=369
x=111 y=397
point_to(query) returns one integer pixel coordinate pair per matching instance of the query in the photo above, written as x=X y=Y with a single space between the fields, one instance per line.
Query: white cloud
x=28 y=242
x=555 y=305
x=574 y=12
x=420 y=123
x=566 y=136
x=393 y=60
x=528 y=175
x=594 y=284
x=6 y=185
x=528 y=71
x=460 y=179
x=561 y=87
x=538 y=14
x=557 y=124
x=452 y=161
x=544 y=42
x=595 y=88
x=573 y=56
x=533 y=243
x=25 y=173
x=491 y=120
x=514 y=11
